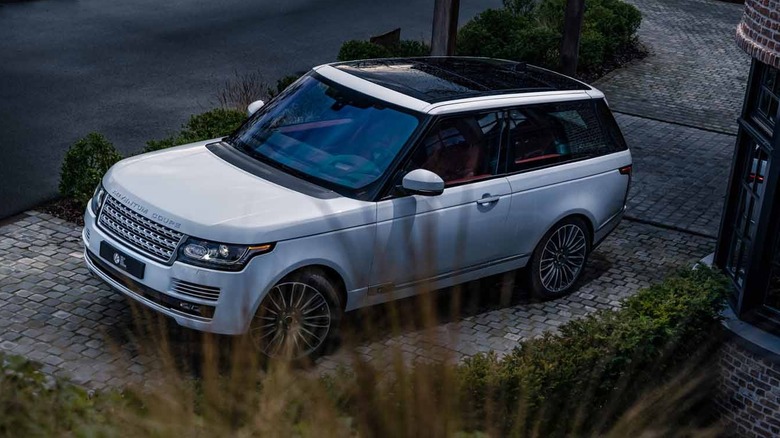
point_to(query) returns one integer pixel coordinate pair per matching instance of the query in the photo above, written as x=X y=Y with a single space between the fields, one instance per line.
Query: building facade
x=748 y=249
x=749 y=242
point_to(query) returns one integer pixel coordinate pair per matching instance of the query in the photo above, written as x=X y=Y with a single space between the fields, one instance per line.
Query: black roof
x=437 y=79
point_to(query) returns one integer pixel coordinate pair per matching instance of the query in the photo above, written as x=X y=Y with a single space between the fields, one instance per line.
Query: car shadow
x=430 y=309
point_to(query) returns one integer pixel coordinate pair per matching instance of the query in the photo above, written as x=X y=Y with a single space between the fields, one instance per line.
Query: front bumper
x=230 y=313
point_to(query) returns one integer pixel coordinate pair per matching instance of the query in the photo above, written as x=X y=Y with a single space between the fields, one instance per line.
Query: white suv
x=361 y=182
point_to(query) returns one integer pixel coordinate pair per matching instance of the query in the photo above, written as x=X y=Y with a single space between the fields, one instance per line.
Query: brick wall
x=759 y=32
x=748 y=392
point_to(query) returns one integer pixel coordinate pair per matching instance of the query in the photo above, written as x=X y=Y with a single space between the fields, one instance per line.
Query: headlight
x=219 y=255
x=98 y=198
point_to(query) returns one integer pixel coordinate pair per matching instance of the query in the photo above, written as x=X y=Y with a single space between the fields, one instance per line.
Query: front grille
x=149 y=237
x=195 y=290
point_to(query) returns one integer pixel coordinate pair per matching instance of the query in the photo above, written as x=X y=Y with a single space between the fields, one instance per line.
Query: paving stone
x=695 y=74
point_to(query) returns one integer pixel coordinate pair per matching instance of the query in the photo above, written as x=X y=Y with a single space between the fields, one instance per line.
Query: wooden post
x=572 y=26
x=445 y=27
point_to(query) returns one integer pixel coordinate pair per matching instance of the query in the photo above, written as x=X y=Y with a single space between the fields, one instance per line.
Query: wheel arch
x=332 y=271
x=583 y=215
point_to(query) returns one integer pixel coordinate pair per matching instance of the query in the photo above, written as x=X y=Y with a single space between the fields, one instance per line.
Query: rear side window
x=542 y=135
x=611 y=126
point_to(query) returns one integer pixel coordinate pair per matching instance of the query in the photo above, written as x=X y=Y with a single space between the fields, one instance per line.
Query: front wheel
x=559 y=259
x=298 y=318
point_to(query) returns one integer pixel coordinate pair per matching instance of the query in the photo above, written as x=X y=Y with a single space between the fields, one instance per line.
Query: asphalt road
x=136 y=69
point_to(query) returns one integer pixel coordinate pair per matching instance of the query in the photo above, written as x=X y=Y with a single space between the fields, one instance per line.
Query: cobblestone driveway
x=680 y=174
x=695 y=74
x=53 y=312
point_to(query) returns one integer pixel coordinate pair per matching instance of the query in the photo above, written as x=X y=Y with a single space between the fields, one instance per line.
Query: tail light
x=626 y=170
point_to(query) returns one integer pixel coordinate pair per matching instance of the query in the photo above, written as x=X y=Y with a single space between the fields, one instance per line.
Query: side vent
x=195 y=290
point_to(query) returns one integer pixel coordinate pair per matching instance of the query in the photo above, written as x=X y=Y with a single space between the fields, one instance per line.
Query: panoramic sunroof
x=437 y=79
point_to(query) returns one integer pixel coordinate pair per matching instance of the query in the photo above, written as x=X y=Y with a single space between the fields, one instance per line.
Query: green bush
x=499 y=33
x=32 y=404
x=593 y=49
x=357 y=49
x=84 y=165
x=520 y=7
x=598 y=366
x=211 y=124
x=490 y=34
x=527 y=31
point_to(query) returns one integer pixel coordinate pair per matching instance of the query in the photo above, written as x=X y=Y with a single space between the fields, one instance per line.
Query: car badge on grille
x=119 y=261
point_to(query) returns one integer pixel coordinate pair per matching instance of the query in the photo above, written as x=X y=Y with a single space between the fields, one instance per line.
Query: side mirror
x=423 y=182
x=254 y=106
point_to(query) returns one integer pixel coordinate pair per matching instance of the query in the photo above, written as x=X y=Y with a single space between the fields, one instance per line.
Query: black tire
x=290 y=322
x=559 y=259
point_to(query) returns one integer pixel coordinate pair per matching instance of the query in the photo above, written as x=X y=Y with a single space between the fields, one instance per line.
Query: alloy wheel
x=293 y=321
x=563 y=258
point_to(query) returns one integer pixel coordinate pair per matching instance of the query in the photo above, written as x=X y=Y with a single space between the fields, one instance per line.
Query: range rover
x=358 y=184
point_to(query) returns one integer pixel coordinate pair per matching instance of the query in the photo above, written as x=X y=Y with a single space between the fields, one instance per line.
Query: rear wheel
x=559 y=259
x=299 y=317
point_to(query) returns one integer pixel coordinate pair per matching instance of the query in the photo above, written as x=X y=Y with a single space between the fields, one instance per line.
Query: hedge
x=531 y=32
x=84 y=165
x=577 y=382
x=596 y=367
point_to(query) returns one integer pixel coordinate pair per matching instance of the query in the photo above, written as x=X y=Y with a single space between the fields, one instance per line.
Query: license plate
x=120 y=260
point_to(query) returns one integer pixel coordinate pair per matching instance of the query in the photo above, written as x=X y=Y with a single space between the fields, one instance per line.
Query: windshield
x=327 y=132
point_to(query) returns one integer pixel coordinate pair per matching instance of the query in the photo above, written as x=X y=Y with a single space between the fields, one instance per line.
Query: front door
x=432 y=238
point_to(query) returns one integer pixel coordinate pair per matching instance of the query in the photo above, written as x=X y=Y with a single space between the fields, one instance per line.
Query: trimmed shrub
x=491 y=33
x=357 y=49
x=527 y=31
x=499 y=33
x=596 y=367
x=84 y=165
x=211 y=124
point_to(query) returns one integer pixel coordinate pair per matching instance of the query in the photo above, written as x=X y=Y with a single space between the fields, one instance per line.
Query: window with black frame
x=543 y=135
x=773 y=293
x=768 y=96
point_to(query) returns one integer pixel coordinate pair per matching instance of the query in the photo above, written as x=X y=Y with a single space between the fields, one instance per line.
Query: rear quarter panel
x=591 y=188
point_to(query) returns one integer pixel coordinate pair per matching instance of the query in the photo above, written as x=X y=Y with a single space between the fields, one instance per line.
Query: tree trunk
x=445 y=27
x=570 y=45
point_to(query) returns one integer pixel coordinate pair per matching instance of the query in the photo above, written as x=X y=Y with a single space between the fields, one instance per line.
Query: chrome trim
x=152 y=239
x=195 y=290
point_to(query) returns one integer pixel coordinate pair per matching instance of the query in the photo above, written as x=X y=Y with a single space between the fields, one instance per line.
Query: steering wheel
x=356 y=163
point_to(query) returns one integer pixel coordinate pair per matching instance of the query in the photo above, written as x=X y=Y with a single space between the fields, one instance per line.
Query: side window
x=611 y=126
x=541 y=135
x=461 y=149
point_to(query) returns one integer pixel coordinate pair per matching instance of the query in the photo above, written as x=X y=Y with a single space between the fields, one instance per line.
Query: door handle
x=487 y=199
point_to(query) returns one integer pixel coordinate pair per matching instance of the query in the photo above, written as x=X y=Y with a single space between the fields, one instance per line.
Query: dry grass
x=223 y=388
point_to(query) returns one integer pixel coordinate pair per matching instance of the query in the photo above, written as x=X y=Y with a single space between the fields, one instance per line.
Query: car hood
x=191 y=190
